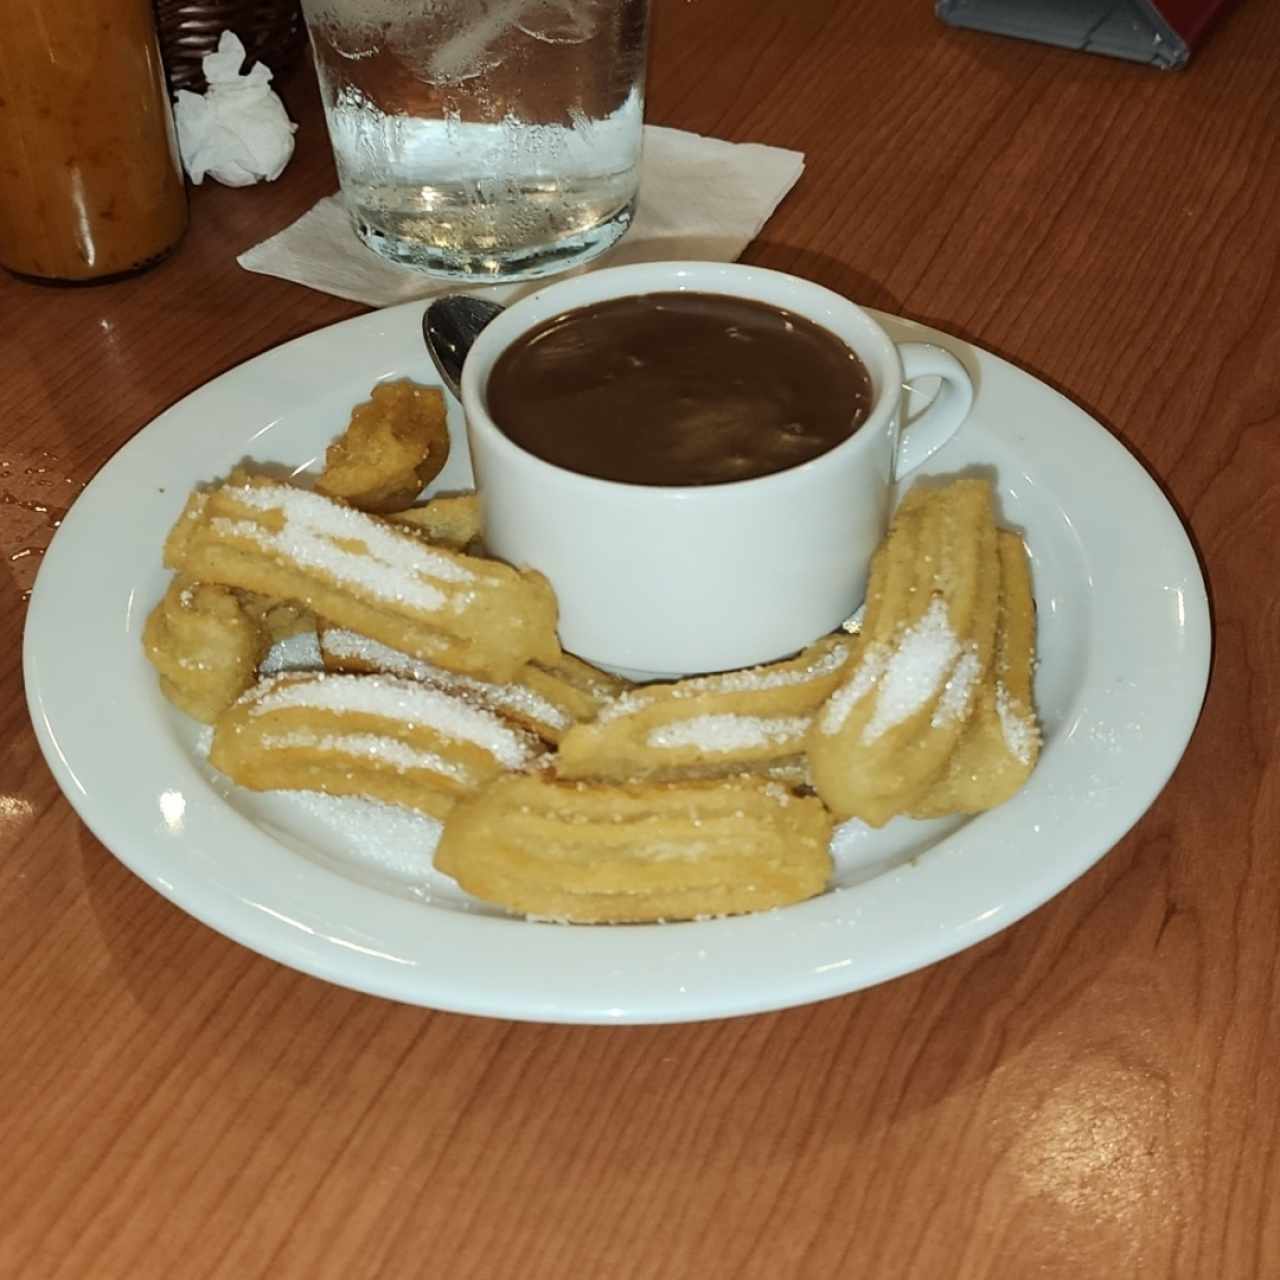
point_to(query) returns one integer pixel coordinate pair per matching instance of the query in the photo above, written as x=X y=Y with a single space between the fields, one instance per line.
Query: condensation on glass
x=484 y=138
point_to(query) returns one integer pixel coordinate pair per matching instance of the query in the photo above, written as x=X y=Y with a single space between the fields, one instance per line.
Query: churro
x=887 y=732
x=583 y=690
x=515 y=700
x=393 y=740
x=205 y=646
x=395 y=444
x=452 y=521
x=707 y=725
x=1000 y=745
x=480 y=617
x=599 y=853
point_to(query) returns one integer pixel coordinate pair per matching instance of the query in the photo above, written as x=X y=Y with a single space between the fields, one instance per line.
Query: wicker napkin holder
x=271 y=31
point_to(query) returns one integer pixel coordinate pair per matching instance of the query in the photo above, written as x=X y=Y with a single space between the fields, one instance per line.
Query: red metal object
x=1190 y=18
x=1161 y=33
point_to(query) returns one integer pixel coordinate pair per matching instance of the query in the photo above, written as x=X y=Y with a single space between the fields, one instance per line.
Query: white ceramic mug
x=661 y=581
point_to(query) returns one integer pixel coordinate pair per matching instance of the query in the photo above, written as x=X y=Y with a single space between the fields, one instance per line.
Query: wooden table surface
x=1094 y=1092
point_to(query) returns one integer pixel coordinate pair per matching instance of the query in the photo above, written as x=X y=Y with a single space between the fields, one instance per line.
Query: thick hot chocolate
x=678 y=389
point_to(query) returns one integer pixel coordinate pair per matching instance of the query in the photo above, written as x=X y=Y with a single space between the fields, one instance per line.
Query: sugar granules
x=350 y=645
x=395 y=699
x=722 y=733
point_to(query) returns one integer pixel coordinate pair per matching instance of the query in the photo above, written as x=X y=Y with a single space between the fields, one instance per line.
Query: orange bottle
x=91 y=185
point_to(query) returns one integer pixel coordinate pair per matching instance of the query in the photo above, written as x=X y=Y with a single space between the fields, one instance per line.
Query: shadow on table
x=831 y=273
x=151 y=941
x=861 y=1064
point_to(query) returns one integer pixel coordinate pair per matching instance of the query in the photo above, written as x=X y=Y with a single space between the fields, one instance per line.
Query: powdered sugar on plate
x=1019 y=729
x=366 y=840
x=389 y=845
x=294 y=653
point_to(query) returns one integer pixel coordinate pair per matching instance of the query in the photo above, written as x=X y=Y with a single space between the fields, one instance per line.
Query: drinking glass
x=484 y=139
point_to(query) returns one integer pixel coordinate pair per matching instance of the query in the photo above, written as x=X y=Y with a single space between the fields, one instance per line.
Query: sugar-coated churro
x=605 y=853
x=707 y=725
x=887 y=732
x=516 y=700
x=480 y=617
x=394 y=740
x=999 y=746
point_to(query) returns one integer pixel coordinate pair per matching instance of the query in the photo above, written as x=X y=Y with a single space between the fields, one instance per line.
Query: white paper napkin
x=237 y=131
x=700 y=199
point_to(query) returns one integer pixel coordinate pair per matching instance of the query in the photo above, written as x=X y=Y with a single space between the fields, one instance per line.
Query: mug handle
x=932 y=427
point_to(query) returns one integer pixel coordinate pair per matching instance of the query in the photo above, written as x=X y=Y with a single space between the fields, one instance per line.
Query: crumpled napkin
x=238 y=130
x=700 y=199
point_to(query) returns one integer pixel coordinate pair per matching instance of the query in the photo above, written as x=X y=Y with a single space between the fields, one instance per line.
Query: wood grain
x=1095 y=1092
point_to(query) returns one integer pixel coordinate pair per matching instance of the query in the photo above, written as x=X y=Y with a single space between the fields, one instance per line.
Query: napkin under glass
x=700 y=199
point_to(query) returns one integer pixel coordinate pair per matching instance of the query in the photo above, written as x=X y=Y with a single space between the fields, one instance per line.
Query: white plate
x=1124 y=656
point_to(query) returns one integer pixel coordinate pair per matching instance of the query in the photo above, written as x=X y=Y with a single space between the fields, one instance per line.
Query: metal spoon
x=449 y=326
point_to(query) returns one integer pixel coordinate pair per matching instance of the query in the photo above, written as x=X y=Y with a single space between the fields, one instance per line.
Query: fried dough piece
x=1000 y=745
x=344 y=650
x=539 y=699
x=392 y=740
x=204 y=645
x=593 y=854
x=451 y=520
x=707 y=726
x=480 y=617
x=928 y=636
x=580 y=688
x=792 y=772
x=396 y=443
